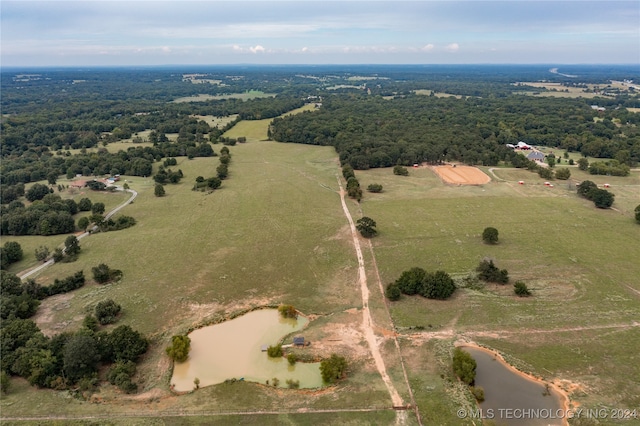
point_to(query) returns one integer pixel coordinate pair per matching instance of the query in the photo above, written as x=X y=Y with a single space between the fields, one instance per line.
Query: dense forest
x=371 y=114
x=372 y=131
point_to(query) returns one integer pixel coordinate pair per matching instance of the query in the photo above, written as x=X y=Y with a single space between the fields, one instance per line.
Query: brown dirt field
x=461 y=175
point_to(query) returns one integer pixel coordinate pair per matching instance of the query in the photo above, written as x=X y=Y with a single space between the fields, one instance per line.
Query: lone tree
x=71 y=246
x=367 y=227
x=333 y=369
x=464 y=366
x=42 y=253
x=637 y=211
x=179 y=349
x=159 y=190
x=490 y=235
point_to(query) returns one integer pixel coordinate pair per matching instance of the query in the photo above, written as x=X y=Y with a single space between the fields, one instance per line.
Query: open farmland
x=577 y=260
x=273 y=233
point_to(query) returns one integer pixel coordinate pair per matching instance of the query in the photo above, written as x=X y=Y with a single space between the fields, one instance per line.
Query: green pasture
x=256 y=130
x=580 y=262
x=273 y=233
x=249 y=94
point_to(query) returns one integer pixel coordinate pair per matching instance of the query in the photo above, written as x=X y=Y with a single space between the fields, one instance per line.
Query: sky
x=115 y=32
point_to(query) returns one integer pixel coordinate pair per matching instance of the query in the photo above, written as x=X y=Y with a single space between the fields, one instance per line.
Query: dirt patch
x=461 y=175
x=44 y=317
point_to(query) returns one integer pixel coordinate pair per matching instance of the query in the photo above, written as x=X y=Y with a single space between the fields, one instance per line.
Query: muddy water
x=511 y=398
x=232 y=349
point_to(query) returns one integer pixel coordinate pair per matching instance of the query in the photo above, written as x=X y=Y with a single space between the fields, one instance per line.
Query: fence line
x=191 y=413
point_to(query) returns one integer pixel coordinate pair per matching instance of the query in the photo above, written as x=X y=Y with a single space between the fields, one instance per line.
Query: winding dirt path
x=367 y=321
x=26 y=274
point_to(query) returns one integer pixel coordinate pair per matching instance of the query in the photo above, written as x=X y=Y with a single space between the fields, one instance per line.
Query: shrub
x=438 y=285
x=563 y=173
x=179 y=349
x=274 y=351
x=107 y=311
x=103 y=274
x=42 y=253
x=393 y=292
x=487 y=271
x=464 y=366
x=637 y=212
x=521 y=289
x=158 y=190
x=400 y=171
x=292 y=358
x=375 y=188
x=293 y=384
x=478 y=393
x=287 y=311
x=545 y=172
x=333 y=369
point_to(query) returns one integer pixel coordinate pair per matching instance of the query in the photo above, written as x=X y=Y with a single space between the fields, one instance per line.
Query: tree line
x=370 y=132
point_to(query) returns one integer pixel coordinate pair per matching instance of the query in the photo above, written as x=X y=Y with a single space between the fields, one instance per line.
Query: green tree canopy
x=602 y=198
x=333 y=369
x=159 y=190
x=81 y=357
x=464 y=366
x=367 y=227
x=490 y=235
x=438 y=285
x=179 y=349
x=107 y=311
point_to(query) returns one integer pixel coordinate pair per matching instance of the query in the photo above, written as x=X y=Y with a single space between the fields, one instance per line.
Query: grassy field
x=579 y=261
x=249 y=94
x=274 y=232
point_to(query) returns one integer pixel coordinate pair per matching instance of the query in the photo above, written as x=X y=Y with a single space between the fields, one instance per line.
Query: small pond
x=232 y=350
x=510 y=397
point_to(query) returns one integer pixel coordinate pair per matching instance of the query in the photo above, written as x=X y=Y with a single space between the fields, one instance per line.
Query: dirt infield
x=461 y=175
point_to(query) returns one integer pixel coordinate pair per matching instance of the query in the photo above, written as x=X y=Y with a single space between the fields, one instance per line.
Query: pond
x=232 y=350
x=511 y=398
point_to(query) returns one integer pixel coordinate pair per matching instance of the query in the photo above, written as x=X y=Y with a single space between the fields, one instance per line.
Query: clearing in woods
x=461 y=175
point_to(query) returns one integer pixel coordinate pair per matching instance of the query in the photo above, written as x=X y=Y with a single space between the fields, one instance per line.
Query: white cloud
x=305 y=49
x=429 y=47
x=257 y=49
x=453 y=47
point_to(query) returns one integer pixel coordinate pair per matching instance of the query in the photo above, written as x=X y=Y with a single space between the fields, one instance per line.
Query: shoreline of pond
x=562 y=396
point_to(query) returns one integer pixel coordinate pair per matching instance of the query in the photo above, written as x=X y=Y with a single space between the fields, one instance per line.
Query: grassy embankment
x=580 y=263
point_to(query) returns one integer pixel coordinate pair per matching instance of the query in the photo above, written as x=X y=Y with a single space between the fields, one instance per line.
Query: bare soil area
x=461 y=175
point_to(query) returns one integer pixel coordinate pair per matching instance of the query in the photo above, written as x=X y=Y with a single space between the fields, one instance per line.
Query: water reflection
x=510 y=397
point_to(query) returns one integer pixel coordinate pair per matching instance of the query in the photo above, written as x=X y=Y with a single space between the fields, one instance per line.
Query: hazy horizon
x=244 y=33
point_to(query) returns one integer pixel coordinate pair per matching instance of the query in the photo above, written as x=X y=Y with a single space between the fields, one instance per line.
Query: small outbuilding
x=298 y=341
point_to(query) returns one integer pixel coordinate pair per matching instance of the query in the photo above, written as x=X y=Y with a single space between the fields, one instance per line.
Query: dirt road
x=367 y=322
